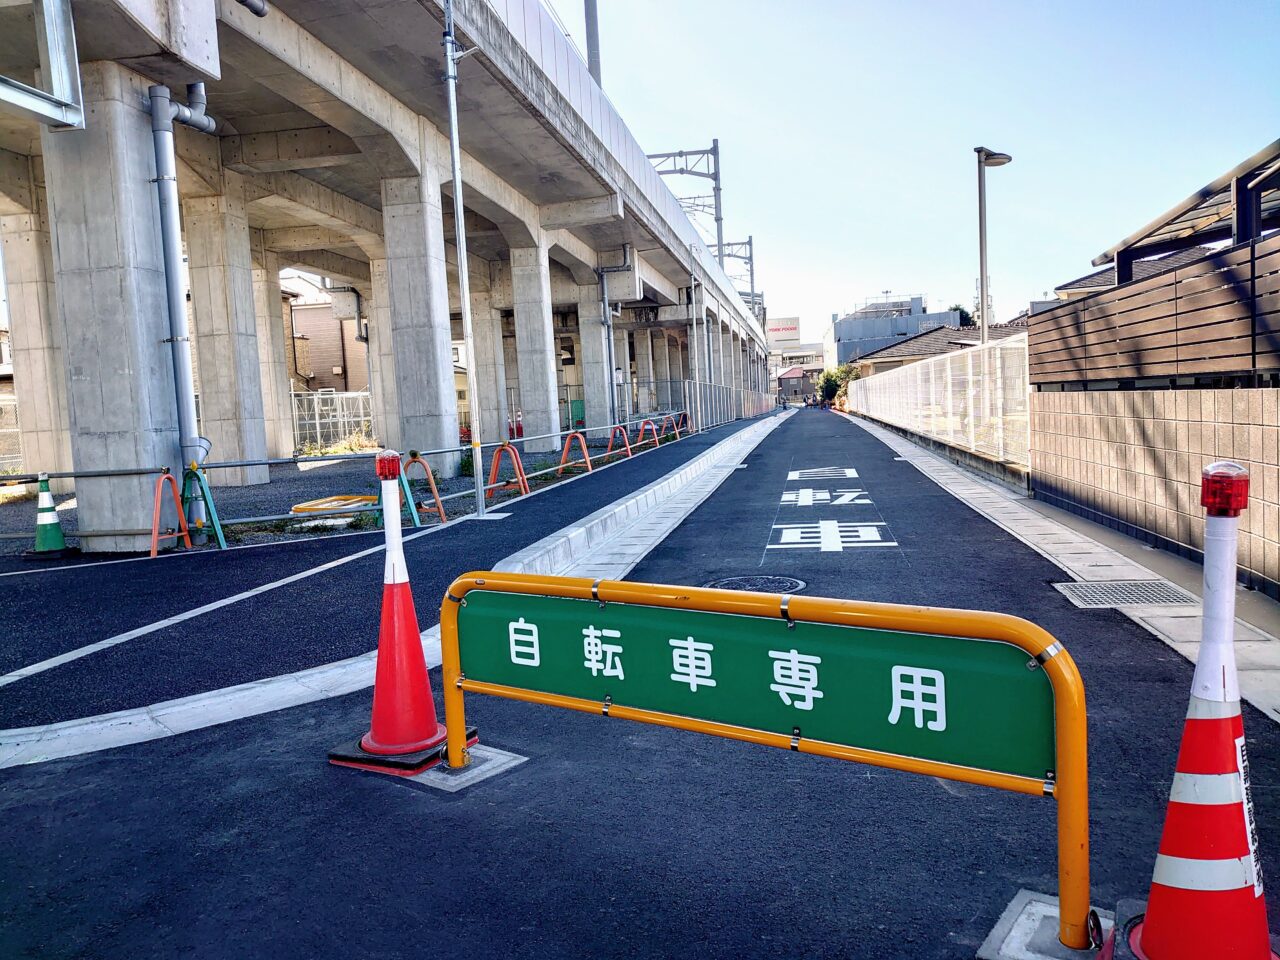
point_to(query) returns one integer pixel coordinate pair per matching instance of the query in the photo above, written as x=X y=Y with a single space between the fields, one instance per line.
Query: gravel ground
x=292 y=484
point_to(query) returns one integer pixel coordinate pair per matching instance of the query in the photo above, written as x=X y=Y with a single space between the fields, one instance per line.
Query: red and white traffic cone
x=1206 y=899
x=404 y=737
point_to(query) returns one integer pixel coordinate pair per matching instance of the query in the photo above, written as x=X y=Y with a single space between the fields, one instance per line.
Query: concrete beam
x=326 y=263
x=288 y=150
x=303 y=238
x=279 y=54
x=321 y=206
x=494 y=199
x=582 y=213
x=574 y=255
x=642 y=280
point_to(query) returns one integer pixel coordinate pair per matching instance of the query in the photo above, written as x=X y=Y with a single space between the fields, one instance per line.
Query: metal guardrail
x=974 y=399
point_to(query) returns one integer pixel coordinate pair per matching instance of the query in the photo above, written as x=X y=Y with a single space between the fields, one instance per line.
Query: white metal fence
x=10 y=441
x=974 y=399
x=325 y=417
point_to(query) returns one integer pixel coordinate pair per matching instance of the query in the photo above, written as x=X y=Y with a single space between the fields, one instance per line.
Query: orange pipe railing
x=653 y=431
x=431 y=481
x=182 y=531
x=565 y=464
x=626 y=444
x=520 y=483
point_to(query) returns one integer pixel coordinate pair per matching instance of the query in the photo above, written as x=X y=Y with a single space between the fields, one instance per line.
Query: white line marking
x=119 y=638
x=43 y=665
x=70 y=738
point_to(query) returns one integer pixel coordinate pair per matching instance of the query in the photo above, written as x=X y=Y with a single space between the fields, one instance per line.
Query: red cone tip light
x=1224 y=489
x=387 y=463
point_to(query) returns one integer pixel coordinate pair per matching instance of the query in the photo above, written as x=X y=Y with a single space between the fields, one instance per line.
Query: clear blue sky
x=847 y=128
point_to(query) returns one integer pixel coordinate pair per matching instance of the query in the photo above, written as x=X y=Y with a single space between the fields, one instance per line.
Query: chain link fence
x=974 y=399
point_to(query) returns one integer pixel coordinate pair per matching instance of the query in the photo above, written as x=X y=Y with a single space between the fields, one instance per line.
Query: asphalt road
x=614 y=839
x=313 y=621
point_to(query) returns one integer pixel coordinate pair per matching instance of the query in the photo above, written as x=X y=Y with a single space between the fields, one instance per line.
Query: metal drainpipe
x=258 y=8
x=607 y=320
x=164 y=111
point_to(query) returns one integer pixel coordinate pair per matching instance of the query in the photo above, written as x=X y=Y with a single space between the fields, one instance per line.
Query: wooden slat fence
x=1219 y=315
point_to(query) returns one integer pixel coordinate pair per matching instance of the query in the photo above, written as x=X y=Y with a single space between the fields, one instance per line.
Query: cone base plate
x=351 y=754
x=50 y=554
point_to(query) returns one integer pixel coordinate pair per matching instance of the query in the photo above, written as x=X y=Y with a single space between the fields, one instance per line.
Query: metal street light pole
x=452 y=54
x=986 y=158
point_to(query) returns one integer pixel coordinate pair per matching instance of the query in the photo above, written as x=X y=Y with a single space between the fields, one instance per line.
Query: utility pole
x=593 y=42
x=452 y=54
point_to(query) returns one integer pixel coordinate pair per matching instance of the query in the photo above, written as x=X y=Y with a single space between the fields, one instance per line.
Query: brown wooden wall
x=1219 y=315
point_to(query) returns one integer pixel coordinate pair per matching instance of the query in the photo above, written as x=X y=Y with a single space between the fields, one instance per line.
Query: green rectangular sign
x=976 y=703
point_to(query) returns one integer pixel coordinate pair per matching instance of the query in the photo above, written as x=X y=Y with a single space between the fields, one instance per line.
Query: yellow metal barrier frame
x=1070 y=786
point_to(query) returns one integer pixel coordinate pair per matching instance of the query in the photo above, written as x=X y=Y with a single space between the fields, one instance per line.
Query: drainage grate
x=758 y=584
x=1125 y=593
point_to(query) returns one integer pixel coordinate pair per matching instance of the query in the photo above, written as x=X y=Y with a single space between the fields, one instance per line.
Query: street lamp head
x=989 y=158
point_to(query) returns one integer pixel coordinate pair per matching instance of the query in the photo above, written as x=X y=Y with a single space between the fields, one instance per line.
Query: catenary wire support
x=703 y=163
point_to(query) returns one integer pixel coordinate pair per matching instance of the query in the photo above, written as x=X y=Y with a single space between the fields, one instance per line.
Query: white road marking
x=88 y=734
x=119 y=638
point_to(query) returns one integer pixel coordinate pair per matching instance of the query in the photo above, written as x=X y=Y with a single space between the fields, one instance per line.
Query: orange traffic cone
x=404 y=736
x=1206 y=899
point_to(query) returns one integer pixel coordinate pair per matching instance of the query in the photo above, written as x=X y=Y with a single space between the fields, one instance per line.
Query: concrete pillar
x=226 y=328
x=535 y=346
x=622 y=362
x=491 y=368
x=646 y=399
x=511 y=363
x=593 y=341
x=109 y=270
x=735 y=372
x=35 y=335
x=681 y=397
x=662 y=369
x=273 y=364
x=382 y=381
x=711 y=337
x=425 y=415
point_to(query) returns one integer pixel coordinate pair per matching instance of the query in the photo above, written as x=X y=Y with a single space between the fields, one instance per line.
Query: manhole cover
x=758 y=584
x=1125 y=593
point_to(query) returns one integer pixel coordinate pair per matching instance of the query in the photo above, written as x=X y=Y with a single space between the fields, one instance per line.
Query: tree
x=845 y=375
x=828 y=384
x=966 y=318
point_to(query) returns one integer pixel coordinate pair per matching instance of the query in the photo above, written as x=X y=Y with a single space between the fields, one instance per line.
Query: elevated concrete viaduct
x=330 y=155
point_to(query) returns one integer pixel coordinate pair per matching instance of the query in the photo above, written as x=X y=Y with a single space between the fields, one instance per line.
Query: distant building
x=799 y=381
x=878 y=324
x=327 y=352
x=1031 y=309
x=931 y=343
x=785 y=348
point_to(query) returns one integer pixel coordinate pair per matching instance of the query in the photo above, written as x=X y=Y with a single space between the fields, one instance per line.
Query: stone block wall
x=1132 y=460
